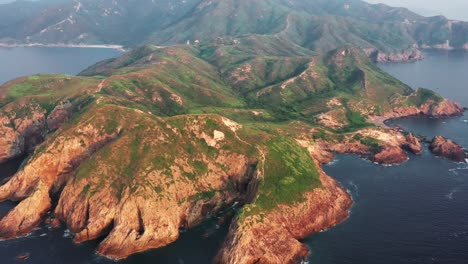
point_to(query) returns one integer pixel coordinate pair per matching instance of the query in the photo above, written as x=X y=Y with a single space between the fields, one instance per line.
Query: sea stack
x=443 y=147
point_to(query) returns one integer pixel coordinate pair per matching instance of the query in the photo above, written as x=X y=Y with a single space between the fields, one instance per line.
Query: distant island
x=385 y=33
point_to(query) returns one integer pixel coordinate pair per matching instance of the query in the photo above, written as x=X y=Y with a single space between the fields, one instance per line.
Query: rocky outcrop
x=46 y=173
x=24 y=125
x=273 y=237
x=390 y=155
x=413 y=144
x=380 y=145
x=404 y=56
x=443 y=147
x=445 y=108
x=59 y=115
x=131 y=178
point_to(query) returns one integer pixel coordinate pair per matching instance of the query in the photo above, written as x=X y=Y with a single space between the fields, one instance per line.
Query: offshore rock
x=443 y=147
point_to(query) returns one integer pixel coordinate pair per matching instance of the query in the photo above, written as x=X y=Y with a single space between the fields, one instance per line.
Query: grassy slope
x=150 y=89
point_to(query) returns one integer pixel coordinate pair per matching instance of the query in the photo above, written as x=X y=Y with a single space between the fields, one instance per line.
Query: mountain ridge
x=140 y=147
x=315 y=25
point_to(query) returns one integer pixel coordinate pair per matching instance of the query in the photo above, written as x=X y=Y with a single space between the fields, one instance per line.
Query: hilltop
x=136 y=148
x=384 y=33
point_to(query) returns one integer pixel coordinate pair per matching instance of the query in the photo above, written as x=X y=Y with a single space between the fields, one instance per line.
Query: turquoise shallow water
x=413 y=213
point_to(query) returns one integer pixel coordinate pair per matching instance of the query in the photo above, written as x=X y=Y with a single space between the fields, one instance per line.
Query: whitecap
x=323 y=230
x=333 y=162
x=355 y=187
x=456 y=170
x=43 y=235
x=451 y=194
x=67 y=233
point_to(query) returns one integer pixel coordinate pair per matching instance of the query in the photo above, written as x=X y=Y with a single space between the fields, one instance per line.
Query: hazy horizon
x=453 y=9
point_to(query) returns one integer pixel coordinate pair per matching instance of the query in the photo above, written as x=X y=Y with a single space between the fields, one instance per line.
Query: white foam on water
x=456 y=170
x=355 y=187
x=334 y=162
x=451 y=194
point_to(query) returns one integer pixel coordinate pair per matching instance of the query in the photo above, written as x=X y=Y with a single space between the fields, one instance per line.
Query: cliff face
x=19 y=134
x=137 y=204
x=273 y=237
x=25 y=123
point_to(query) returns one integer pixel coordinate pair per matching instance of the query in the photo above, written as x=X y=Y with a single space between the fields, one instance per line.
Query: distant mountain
x=319 y=25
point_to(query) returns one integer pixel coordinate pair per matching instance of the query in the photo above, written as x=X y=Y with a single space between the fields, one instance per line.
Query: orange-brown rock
x=412 y=144
x=390 y=155
x=25 y=124
x=145 y=178
x=443 y=147
x=46 y=173
x=55 y=224
x=59 y=115
x=274 y=236
x=445 y=108
x=389 y=148
x=22 y=127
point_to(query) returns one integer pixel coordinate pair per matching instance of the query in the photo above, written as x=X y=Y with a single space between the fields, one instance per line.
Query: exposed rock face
x=333 y=119
x=383 y=146
x=440 y=146
x=24 y=125
x=59 y=115
x=390 y=155
x=46 y=173
x=405 y=56
x=413 y=144
x=445 y=108
x=273 y=237
x=143 y=181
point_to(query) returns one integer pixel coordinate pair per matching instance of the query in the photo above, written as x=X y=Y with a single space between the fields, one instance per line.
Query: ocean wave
x=355 y=187
x=456 y=171
x=451 y=194
x=332 y=163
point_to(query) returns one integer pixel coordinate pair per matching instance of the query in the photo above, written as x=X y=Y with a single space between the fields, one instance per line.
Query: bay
x=23 y=61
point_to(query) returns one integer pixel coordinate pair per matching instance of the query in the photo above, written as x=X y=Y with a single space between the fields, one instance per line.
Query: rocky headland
x=140 y=147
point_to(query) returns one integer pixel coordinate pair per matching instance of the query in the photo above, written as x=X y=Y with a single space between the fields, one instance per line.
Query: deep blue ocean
x=416 y=212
